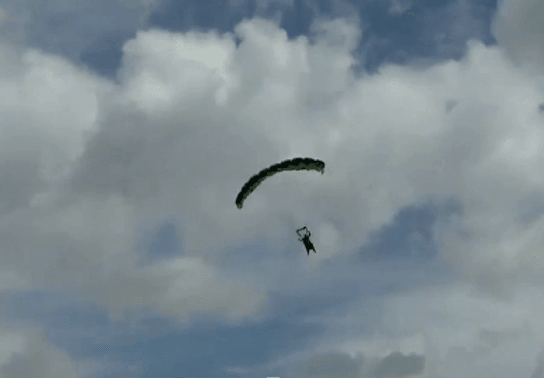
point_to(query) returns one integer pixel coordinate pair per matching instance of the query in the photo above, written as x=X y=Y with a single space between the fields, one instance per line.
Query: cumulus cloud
x=399 y=7
x=79 y=200
x=449 y=331
x=183 y=84
x=518 y=29
x=539 y=369
x=398 y=365
x=330 y=365
x=86 y=161
x=26 y=353
x=349 y=365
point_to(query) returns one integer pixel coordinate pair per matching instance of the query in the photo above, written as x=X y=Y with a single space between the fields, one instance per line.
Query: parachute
x=296 y=164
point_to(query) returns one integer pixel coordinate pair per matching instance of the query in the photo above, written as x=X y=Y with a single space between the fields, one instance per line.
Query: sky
x=129 y=126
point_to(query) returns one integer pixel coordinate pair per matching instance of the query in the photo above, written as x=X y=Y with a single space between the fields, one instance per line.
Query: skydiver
x=306 y=240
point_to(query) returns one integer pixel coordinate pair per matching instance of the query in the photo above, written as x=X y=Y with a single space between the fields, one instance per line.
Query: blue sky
x=130 y=125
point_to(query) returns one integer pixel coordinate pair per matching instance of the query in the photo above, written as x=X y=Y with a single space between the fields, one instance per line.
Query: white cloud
x=518 y=29
x=25 y=353
x=84 y=162
x=330 y=365
x=459 y=332
x=178 y=288
x=4 y=16
x=53 y=236
x=399 y=7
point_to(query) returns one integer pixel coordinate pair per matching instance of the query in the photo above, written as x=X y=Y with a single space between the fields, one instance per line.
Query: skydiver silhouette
x=306 y=240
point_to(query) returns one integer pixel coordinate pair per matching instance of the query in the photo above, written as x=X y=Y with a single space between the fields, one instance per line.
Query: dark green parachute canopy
x=296 y=164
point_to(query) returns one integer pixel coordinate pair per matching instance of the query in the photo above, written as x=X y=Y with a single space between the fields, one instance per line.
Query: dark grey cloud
x=518 y=29
x=398 y=365
x=409 y=235
x=331 y=365
x=160 y=241
x=19 y=181
x=450 y=104
x=539 y=369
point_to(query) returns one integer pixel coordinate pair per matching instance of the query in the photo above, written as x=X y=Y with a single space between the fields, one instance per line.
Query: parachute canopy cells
x=296 y=164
